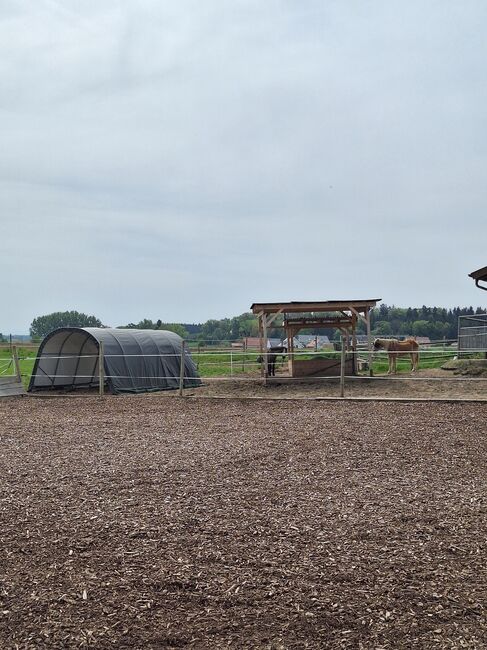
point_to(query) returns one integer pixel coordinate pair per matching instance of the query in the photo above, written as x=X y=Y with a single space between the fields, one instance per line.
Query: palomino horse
x=396 y=348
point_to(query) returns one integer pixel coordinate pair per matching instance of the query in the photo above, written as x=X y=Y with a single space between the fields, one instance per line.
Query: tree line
x=435 y=322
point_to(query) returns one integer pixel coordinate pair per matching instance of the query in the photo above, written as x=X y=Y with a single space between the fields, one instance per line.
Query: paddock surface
x=424 y=384
x=144 y=522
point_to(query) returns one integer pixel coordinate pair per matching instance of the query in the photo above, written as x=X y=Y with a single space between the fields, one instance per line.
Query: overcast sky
x=181 y=160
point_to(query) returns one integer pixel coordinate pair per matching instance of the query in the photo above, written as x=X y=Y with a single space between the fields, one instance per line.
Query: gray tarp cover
x=135 y=361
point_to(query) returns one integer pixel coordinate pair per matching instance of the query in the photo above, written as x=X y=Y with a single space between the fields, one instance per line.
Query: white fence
x=231 y=364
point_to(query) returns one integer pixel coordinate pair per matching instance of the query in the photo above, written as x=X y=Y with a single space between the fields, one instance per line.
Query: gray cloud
x=181 y=160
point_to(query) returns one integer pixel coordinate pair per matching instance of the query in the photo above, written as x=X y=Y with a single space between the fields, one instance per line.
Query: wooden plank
x=10 y=386
x=264 y=344
x=342 y=369
x=15 y=356
x=369 y=343
x=318 y=322
x=320 y=367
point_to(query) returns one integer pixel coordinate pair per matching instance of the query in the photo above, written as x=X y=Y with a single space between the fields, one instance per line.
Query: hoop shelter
x=135 y=361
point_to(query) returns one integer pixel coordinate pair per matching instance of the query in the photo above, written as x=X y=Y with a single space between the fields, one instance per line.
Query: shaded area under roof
x=135 y=361
x=343 y=315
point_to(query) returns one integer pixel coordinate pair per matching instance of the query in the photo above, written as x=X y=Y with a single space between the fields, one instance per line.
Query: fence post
x=181 y=370
x=101 y=370
x=231 y=362
x=15 y=357
x=342 y=369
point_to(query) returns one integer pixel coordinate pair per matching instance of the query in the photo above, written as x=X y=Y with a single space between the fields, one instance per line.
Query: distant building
x=253 y=343
x=362 y=339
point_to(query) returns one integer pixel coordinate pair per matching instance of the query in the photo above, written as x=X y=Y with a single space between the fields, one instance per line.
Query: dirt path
x=423 y=384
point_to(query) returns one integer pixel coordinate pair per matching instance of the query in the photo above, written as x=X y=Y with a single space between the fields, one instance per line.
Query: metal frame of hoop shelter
x=298 y=315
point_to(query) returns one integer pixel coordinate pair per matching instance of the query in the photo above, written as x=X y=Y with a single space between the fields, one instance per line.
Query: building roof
x=479 y=276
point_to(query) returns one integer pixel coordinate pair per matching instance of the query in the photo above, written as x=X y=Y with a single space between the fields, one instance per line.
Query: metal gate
x=472 y=333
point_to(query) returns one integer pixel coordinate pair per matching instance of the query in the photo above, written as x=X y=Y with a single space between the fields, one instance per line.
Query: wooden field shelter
x=343 y=315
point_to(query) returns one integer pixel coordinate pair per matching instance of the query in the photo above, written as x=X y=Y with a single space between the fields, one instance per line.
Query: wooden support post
x=369 y=341
x=354 y=343
x=15 y=357
x=181 y=369
x=290 y=340
x=231 y=362
x=101 y=370
x=264 y=344
x=342 y=368
x=261 y=344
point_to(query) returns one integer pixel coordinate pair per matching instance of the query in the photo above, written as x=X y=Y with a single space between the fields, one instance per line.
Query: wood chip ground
x=144 y=522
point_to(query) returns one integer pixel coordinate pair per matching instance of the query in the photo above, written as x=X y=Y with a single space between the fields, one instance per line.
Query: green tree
x=42 y=325
x=248 y=325
x=174 y=327
x=148 y=324
x=383 y=327
x=421 y=328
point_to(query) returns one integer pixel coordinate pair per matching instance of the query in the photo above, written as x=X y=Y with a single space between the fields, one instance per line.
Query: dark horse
x=272 y=354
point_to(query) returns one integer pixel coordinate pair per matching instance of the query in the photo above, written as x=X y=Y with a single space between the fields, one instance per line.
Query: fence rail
x=230 y=364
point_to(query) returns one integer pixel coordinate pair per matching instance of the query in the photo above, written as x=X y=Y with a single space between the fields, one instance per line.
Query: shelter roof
x=480 y=274
x=312 y=306
x=134 y=360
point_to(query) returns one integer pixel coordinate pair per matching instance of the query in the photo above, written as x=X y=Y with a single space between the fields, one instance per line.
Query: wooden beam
x=264 y=342
x=369 y=341
x=273 y=317
x=316 y=306
x=359 y=315
x=261 y=342
x=354 y=344
x=15 y=356
x=301 y=324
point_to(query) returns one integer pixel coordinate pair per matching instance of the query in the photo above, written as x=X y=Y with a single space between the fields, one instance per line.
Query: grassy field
x=26 y=361
x=224 y=363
